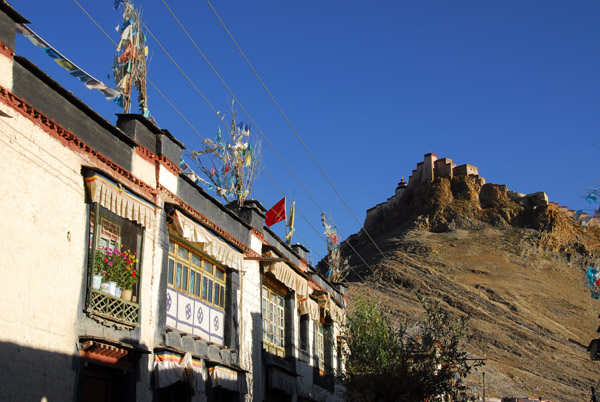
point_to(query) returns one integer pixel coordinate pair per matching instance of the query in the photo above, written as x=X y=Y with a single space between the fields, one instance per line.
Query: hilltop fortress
x=428 y=170
x=432 y=168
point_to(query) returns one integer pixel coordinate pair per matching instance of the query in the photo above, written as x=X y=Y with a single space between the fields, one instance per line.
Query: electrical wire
x=190 y=124
x=292 y=128
x=217 y=113
x=256 y=126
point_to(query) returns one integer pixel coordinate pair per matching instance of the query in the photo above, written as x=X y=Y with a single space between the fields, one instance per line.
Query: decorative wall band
x=172 y=198
x=251 y=254
x=169 y=165
x=74 y=143
x=6 y=51
x=258 y=234
x=146 y=154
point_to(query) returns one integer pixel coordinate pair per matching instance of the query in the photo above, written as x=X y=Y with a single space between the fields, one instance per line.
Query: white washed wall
x=42 y=229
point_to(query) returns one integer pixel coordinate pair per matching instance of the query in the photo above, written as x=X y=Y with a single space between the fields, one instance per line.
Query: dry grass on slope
x=532 y=317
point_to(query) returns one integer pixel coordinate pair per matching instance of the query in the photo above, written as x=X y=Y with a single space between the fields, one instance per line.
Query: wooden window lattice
x=114 y=308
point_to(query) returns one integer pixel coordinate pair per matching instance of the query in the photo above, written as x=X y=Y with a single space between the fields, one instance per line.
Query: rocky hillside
x=515 y=264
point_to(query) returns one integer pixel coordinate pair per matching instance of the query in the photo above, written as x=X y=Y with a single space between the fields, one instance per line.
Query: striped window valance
x=286 y=275
x=310 y=307
x=170 y=367
x=225 y=377
x=114 y=197
x=283 y=381
x=206 y=242
x=336 y=313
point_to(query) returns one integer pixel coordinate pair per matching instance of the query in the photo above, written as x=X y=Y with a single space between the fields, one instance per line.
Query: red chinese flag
x=276 y=214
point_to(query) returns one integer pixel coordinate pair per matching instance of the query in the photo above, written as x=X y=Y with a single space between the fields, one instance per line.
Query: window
x=115 y=255
x=273 y=316
x=304 y=329
x=320 y=346
x=194 y=275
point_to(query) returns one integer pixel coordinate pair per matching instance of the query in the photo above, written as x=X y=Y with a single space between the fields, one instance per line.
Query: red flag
x=276 y=213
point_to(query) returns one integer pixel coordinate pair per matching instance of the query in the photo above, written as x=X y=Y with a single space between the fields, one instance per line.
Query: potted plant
x=104 y=266
x=127 y=275
x=115 y=266
x=98 y=269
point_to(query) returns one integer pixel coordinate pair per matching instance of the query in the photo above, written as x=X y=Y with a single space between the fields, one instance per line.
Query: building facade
x=214 y=306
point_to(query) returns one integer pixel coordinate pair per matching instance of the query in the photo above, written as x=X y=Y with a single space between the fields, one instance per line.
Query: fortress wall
x=443 y=167
x=429 y=169
x=416 y=177
x=465 y=170
x=432 y=167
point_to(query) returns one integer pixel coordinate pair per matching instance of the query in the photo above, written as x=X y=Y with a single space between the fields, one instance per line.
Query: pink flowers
x=115 y=265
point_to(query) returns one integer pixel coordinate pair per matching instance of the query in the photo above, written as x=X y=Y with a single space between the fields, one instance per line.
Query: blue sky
x=509 y=86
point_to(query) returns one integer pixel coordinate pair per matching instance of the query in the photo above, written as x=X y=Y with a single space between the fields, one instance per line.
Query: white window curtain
x=227 y=378
x=310 y=307
x=211 y=245
x=283 y=381
x=336 y=313
x=170 y=367
x=117 y=199
x=286 y=275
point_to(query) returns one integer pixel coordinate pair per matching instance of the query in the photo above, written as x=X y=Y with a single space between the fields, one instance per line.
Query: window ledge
x=115 y=309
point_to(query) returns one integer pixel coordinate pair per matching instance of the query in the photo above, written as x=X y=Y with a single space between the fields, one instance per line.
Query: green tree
x=421 y=362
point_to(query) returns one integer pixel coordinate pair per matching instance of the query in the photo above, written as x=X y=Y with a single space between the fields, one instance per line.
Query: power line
x=217 y=113
x=251 y=120
x=293 y=129
x=256 y=126
x=262 y=167
x=183 y=117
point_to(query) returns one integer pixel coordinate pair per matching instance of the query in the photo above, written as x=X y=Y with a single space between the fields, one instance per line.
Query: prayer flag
x=89 y=81
x=95 y=84
x=276 y=213
x=592 y=197
x=219 y=139
x=66 y=64
x=182 y=164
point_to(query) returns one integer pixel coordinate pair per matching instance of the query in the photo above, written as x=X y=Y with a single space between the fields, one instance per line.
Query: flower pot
x=108 y=287
x=126 y=294
x=96 y=281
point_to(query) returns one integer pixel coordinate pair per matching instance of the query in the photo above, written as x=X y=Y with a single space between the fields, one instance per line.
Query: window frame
x=320 y=346
x=270 y=321
x=201 y=276
x=99 y=303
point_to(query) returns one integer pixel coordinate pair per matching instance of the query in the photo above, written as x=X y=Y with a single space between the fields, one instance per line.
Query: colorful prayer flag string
x=74 y=70
x=229 y=167
x=338 y=266
x=129 y=69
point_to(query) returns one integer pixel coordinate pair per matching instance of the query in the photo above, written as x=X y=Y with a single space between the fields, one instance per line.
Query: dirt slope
x=516 y=267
